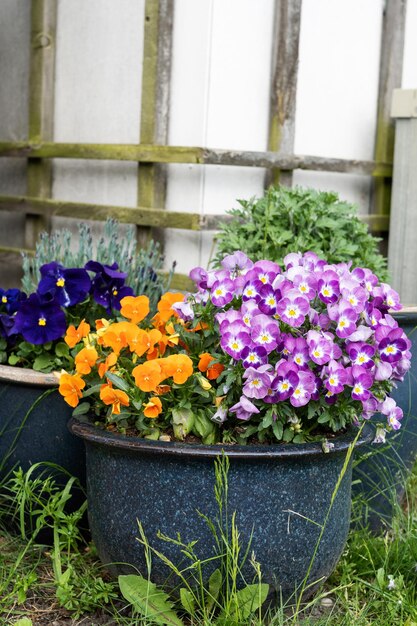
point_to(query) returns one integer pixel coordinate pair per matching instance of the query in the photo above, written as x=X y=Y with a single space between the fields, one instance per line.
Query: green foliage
x=299 y=220
x=148 y=600
x=116 y=245
x=374 y=583
x=36 y=503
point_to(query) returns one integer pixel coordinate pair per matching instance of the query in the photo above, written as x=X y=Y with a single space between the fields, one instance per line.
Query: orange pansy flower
x=153 y=407
x=212 y=371
x=165 y=304
x=85 y=360
x=148 y=375
x=70 y=386
x=146 y=341
x=179 y=366
x=135 y=308
x=74 y=335
x=115 y=397
x=110 y=361
x=115 y=336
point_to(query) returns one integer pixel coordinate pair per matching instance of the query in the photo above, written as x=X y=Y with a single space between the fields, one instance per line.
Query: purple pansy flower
x=40 y=321
x=67 y=286
x=268 y=300
x=393 y=413
x=392 y=346
x=108 y=286
x=254 y=356
x=361 y=381
x=265 y=332
x=361 y=354
x=248 y=311
x=369 y=407
x=297 y=350
x=257 y=383
x=320 y=347
x=234 y=339
x=199 y=276
x=237 y=262
x=345 y=317
x=244 y=409
x=222 y=292
x=304 y=389
x=11 y=299
x=251 y=290
x=293 y=309
x=334 y=377
x=286 y=380
x=328 y=287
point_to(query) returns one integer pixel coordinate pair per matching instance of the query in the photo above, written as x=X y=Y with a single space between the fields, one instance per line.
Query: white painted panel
x=98 y=86
x=409 y=80
x=14 y=113
x=338 y=89
x=103 y=182
x=220 y=99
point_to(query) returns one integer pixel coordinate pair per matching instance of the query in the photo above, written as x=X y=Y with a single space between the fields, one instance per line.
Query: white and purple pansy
x=234 y=339
x=265 y=332
x=293 y=308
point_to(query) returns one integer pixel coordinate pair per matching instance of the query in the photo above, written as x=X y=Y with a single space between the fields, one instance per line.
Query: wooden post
x=285 y=39
x=390 y=73
x=155 y=102
x=41 y=106
x=402 y=249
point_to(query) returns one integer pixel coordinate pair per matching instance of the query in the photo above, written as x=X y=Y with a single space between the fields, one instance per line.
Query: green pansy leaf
x=118 y=382
x=81 y=409
x=62 y=349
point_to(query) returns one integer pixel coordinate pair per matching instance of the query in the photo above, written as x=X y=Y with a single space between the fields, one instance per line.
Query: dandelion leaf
x=148 y=600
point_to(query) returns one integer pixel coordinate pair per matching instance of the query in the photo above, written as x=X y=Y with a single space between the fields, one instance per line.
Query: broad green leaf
x=148 y=600
x=82 y=409
x=23 y=621
x=118 y=382
x=62 y=349
x=187 y=601
x=247 y=601
x=214 y=587
x=43 y=362
x=92 y=390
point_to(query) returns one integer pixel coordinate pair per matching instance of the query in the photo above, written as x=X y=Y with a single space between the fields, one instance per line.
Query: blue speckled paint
x=380 y=479
x=165 y=484
x=44 y=436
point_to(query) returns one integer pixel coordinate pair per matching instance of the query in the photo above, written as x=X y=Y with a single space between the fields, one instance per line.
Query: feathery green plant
x=117 y=244
x=288 y=220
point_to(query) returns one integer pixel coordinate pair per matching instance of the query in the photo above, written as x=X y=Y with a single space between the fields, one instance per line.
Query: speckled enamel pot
x=381 y=476
x=274 y=490
x=33 y=423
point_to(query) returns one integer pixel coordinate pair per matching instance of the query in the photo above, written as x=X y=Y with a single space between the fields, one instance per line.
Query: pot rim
x=91 y=433
x=22 y=375
x=407 y=314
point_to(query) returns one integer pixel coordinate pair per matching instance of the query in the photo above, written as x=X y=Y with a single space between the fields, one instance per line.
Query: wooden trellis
x=152 y=154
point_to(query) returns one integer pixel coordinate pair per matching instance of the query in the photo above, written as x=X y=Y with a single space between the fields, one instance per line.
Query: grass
x=375 y=582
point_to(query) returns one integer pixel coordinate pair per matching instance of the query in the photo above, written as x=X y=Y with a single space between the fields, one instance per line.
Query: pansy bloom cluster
x=309 y=346
x=30 y=325
x=257 y=353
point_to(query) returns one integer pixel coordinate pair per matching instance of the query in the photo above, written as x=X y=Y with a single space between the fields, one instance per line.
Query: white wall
x=220 y=97
x=337 y=91
x=220 y=93
x=409 y=80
